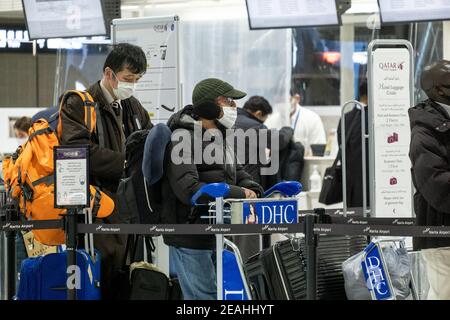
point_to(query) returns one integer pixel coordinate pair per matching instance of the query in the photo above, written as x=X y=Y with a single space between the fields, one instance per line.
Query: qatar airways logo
x=160 y=28
x=392 y=66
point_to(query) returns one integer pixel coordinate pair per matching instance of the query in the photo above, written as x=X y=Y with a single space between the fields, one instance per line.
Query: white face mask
x=21 y=141
x=229 y=117
x=124 y=89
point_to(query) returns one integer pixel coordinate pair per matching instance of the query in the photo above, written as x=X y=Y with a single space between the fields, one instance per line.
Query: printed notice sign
x=159 y=89
x=391 y=132
x=71 y=177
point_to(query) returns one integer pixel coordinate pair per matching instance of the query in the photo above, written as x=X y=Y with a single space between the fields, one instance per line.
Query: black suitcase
x=279 y=272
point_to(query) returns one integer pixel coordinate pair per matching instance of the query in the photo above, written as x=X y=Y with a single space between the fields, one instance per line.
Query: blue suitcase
x=233 y=283
x=44 y=277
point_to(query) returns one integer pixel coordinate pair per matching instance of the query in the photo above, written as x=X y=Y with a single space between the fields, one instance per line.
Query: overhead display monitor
x=64 y=18
x=401 y=11
x=270 y=14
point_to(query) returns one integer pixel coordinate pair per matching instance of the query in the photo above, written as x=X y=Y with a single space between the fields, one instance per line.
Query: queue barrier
x=311 y=224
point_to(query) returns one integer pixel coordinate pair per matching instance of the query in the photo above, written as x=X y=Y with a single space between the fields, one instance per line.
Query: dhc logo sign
x=270 y=212
x=375 y=273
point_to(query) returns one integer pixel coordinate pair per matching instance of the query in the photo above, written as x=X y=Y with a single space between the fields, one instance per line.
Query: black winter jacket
x=245 y=121
x=430 y=157
x=181 y=182
x=106 y=162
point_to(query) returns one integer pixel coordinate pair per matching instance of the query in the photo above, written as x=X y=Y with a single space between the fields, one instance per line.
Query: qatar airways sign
x=390 y=81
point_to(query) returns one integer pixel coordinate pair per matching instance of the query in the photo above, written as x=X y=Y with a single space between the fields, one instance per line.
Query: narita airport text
x=226 y=310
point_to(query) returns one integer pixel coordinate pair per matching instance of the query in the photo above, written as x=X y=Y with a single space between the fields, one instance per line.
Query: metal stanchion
x=219 y=249
x=71 y=248
x=10 y=214
x=11 y=270
x=311 y=258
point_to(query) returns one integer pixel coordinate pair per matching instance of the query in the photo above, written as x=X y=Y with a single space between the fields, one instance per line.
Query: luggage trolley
x=280 y=206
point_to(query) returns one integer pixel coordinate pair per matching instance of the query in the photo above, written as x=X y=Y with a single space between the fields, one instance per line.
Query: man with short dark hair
x=118 y=115
x=252 y=116
x=258 y=107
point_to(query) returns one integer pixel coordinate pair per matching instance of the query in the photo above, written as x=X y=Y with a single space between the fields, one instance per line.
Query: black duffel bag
x=331 y=192
x=143 y=280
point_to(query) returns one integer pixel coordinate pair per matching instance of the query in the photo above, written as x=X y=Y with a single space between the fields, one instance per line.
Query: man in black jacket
x=192 y=258
x=250 y=117
x=430 y=153
x=118 y=115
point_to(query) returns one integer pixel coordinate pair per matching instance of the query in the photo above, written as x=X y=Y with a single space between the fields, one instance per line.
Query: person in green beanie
x=192 y=257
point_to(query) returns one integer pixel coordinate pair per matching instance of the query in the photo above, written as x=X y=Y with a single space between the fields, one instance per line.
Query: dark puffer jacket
x=181 y=182
x=246 y=121
x=430 y=157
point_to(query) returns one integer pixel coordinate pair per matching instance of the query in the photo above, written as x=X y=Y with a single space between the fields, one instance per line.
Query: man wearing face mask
x=192 y=258
x=118 y=115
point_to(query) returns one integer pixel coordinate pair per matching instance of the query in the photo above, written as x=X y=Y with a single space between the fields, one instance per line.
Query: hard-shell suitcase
x=279 y=272
x=45 y=277
x=235 y=286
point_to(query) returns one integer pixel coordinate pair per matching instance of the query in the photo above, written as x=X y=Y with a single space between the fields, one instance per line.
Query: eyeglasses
x=229 y=100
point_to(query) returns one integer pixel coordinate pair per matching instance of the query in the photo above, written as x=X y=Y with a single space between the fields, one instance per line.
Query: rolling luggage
x=45 y=277
x=279 y=272
x=235 y=285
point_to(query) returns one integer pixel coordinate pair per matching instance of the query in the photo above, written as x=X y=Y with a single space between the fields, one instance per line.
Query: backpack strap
x=38 y=132
x=48 y=180
x=100 y=128
x=89 y=108
x=97 y=198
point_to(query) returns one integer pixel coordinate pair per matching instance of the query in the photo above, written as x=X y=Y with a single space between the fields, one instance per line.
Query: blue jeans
x=196 y=272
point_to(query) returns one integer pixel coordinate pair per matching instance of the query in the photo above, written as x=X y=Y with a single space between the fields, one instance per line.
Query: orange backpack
x=29 y=178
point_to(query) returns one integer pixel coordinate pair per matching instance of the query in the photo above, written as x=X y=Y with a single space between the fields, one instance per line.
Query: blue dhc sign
x=375 y=273
x=270 y=212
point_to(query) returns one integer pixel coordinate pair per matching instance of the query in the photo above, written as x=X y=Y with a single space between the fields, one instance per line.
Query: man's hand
x=249 y=194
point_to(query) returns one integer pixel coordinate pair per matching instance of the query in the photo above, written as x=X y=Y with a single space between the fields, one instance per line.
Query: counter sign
x=71 y=176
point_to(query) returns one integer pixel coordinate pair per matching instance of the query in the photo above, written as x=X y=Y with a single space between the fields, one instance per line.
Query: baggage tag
x=34 y=248
x=376 y=274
